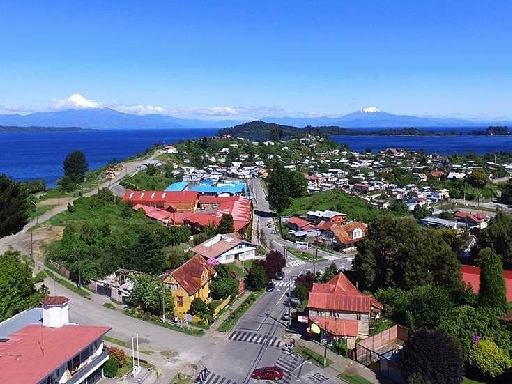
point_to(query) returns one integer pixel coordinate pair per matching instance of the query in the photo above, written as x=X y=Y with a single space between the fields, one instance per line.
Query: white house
x=227 y=248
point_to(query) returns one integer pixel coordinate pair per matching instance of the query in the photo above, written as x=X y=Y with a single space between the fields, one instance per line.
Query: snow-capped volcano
x=370 y=110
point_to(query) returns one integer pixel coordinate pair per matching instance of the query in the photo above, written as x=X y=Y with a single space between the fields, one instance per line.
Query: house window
x=179 y=300
x=174 y=287
x=358 y=316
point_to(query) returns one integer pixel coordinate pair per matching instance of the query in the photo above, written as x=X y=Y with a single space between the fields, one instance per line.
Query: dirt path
x=38 y=233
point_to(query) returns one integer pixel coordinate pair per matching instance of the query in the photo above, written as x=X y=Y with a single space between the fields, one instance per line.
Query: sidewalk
x=339 y=364
x=219 y=320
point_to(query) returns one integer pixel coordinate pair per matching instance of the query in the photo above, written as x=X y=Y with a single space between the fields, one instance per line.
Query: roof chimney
x=55 y=311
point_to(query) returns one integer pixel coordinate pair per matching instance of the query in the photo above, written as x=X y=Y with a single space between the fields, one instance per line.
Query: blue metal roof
x=176 y=187
x=232 y=188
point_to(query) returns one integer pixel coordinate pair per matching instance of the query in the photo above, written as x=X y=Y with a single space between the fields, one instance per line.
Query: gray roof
x=20 y=321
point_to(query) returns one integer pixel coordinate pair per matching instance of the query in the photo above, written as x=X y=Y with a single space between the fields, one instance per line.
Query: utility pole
x=289 y=302
x=163 y=303
x=31 y=245
x=314 y=261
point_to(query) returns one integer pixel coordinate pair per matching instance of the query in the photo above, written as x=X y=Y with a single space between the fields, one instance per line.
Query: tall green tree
x=150 y=295
x=17 y=286
x=478 y=178
x=498 y=236
x=493 y=290
x=278 y=188
x=226 y=224
x=257 y=276
x=14 y=206
x=75 y=166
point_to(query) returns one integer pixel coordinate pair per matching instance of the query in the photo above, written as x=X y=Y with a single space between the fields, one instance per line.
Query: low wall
x=376 y=342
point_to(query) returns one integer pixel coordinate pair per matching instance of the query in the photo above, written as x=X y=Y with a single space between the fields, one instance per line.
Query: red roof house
x=338 y=305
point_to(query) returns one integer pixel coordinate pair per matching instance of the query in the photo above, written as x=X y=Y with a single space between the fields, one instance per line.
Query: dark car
x=280 y=275
x=268 y=373
x=270 y=287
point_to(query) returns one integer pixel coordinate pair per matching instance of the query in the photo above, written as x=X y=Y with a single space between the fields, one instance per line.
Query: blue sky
x=229 y=59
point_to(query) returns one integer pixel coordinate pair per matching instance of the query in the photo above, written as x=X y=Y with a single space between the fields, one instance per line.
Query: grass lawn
x=303 y=255
x=181 y=379
x=228 y=324
x=354 y=379
x=465 y=380
x=312 y=356
x=113 y=340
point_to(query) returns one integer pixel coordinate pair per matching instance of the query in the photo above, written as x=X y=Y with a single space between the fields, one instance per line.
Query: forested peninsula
x=7 y=128
x=273 y=131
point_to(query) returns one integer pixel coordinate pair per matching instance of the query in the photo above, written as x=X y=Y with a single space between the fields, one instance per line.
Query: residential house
x=189 y=281
x=345 y=235
x=340 y=309
x=226 y=248
x=333 y=216
x=296 y=223
x=477 y=219
x=40 y=346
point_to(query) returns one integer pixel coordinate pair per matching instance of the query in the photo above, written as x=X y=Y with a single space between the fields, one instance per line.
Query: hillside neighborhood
x=354 y=241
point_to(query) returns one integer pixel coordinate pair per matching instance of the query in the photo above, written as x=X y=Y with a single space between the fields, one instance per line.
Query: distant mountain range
x=105 y=118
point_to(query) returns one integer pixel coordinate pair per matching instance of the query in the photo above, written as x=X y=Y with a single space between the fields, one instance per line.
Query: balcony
x=86 y=370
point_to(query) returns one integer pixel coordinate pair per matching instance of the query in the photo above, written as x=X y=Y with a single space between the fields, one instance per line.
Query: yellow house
x=189 y=281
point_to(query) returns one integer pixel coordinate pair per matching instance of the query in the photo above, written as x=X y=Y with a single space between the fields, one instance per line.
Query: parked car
x=280 y=275
x=268 y=373
x=285 y=317
x=271 y=287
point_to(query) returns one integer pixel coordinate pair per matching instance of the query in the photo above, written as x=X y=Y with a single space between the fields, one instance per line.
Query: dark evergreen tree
x=14 y=206
x=75 y=166
x=493 y=290
x=226 y=224
x=432 y=357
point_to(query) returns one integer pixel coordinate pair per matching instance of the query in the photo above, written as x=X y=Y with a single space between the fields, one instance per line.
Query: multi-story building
x=40 y=346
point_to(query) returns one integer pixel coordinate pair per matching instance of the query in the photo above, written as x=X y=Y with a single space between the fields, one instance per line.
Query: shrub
x=117 y=354
x=489 y=359
x=110 y=368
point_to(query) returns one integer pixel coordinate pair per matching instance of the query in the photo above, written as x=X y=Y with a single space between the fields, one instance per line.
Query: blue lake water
x=39 y=155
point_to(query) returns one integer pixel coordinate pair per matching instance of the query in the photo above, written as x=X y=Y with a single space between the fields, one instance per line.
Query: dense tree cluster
x=397 y=252
x=498 y=237
x=14 y=206
x=151 y=296
x=104 y=234
x=17 y=286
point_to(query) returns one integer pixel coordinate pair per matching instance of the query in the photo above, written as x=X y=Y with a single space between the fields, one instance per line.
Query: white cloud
x=138 y=109
x=76 y=101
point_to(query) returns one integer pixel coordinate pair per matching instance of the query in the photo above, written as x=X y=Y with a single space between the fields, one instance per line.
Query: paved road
x=258 y=338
